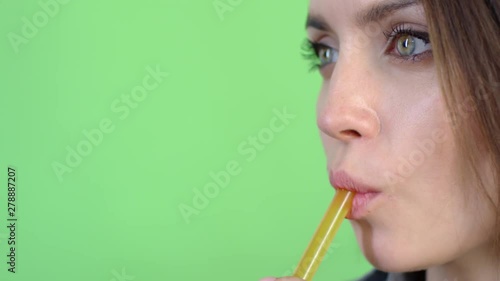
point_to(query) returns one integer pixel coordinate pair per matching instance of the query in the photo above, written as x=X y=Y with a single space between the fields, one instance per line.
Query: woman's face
x=383 y=122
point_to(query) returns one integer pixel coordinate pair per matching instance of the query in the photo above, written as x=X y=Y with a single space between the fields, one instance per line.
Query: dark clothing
x=377 y=275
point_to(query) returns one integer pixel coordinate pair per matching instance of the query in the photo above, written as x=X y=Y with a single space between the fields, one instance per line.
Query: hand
x=281 y=279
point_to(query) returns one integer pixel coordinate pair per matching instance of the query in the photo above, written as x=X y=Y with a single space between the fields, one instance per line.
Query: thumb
x=281 y=279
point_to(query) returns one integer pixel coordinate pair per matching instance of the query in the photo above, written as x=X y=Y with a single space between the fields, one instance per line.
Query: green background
x=117 y=211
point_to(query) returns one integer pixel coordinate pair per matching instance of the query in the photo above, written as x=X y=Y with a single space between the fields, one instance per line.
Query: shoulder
x=377 y=275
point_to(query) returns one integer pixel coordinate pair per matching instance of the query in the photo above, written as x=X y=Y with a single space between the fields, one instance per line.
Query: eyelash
x=311 y=49
x=310 y=52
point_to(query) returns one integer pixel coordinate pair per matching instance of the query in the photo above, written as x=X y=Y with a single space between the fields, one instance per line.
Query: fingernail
x=268 y=279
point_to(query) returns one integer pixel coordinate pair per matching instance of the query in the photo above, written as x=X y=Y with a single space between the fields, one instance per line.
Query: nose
x=346 y=105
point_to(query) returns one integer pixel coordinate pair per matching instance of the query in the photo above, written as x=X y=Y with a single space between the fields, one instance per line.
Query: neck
x=479 y=264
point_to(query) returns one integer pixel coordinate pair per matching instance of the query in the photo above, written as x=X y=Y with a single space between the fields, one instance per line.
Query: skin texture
x=383 y=120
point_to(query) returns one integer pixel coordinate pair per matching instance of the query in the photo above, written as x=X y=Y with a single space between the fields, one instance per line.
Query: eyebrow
x=317 y=22
x=373 y=13
x=383 y=10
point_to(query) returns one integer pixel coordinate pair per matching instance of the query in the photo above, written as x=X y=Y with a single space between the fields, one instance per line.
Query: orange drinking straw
x=323 y=237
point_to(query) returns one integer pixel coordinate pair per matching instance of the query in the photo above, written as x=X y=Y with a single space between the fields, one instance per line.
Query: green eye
x=326 y=54
x=319 y=54
x=408 y=45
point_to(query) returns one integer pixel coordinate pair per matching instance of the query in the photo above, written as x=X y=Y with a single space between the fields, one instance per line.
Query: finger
x=281 y=279
x=268 y=279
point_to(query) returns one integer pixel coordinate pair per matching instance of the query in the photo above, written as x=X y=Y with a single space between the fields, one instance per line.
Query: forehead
x=337 y=12
x=358 y=13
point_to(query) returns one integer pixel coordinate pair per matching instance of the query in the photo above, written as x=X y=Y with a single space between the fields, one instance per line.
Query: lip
x=365 y=194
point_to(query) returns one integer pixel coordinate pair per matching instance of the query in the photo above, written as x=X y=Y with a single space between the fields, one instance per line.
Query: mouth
x=365 y=194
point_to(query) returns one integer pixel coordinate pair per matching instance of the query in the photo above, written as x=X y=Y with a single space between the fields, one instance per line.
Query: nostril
x=351 y=133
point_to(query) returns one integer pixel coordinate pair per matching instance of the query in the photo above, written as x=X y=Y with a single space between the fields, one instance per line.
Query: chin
x=393 y=261
x=386 y=252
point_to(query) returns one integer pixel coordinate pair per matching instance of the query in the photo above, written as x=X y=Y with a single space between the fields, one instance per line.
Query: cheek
x=416 y=134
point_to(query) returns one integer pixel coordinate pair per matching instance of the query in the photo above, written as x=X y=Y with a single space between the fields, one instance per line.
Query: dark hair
x=465 y=36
